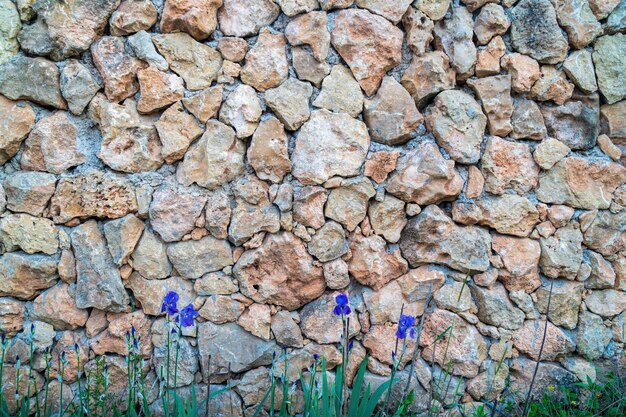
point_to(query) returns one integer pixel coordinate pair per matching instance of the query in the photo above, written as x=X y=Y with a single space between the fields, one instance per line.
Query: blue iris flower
x=342 y=308
x=406 y=324
x=187 y=316
x=169 y=303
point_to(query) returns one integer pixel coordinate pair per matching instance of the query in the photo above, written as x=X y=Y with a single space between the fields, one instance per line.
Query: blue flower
x=405 y=324
x=342 y=308
x=169 y=303
x=316 y=357
x=187 y=316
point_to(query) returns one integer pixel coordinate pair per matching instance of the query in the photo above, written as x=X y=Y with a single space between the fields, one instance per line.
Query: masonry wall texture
x=260 y=157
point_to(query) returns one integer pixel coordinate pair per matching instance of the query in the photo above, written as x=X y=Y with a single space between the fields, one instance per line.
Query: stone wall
x=261 y=157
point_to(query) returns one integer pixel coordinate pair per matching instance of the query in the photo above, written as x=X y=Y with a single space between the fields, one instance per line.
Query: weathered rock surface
x=432 y=237
x=245 y=18
x=35 y=79
x=369 y=44
x=24 y=276
x=607 y=56
x=295 y=279
x=427 y=75
x=290 y=102
x=266 y=62
x=454 y=36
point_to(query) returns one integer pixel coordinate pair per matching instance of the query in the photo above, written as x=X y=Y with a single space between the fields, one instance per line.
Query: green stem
x=61 y=389
x=167 y=384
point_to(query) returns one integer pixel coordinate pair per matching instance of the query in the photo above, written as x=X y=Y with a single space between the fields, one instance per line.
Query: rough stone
x=458 y=123
x=268 y=151
x=549 y=152
x=308 y=206
x=10 y=27
x=347 y=203
x=93 y=194
x=574 y=123
x=290 y=102
x=256 y=319
x=581 y=183
x=24 y=276
x=466 y=349
x=380 y=164
x=523 y=69
x=12 y=316
x=133 y=16
x=318 y=322
x=98 y=281
x=488 y=58
x=561 y=253
x=462 y=248
x=427 y=75
x=57 y=307
x=52 y=145
x=535 y=31
x=388 y=218
x=608 y=56
x=329 y=242
x=436 y=9
x=198 y=18
x=295 y=279
x=130 y=142
x=369 y=44
x=454 y=37
x=329 y=144
x=150 y=292
x=552 y=85
x=592 y=337
x=434 y=181
x=371 y=264
x=340 y=93
x=143 y=47
x=78 y=86
x=307 y=67
x=176 y=130
x=495 y=308
x=508 y=214
x=564 y=302
x=577 y=19
x=28 y=233
x=158 y=90
x=310 y=29
x=527 y=122
x=528 y=340
x=285 y=329
x=16 y=122
x=579 y=68
x=606 y=303
x=391 y=116
x=244 y=18
x=508 y=165
x=217 y=158
x=490 y=22
x=197 y=63
x=495 y=96
x=266 y=62
x=419 y=30
x=35 y=79
x=520 y=259
x=28 y=192
x=149 y=257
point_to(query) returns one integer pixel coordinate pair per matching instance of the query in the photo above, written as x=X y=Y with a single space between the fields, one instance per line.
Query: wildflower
x=187 y=316
x=316 y=357
x=350 y=345
x=17 y=362
x=32 y=328
x=342 y=308
x=405 y=324
x=76 y=348
x=3 y=336
x=169 y=303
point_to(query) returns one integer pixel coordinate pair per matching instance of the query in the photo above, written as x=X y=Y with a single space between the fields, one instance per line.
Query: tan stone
x=561 y=253
x=150 y=292
x=461 y=248
x=523 y=69
x=604 y=233
x=266 y=62
x=117 y=68
x=508 y=165
x=16 y=122
x=295 y=279
x=318 y=322
x=206 y=104
x=218 y=212
x=371 y=264
x=527 y=121
x=28 y=233
x=285 y=329
x=552 y=85
x=380 y=164
x=606 y=303
x=177 y=129
x=308 y=206
x=329 y=144
x=508 y=214
x=369 y=44
x=256 y=319
x=242 y=111
x=609 y=148
x=424 y=177
x=581 y=183
x=310 y=29
x=196 y=17
x=602 y=8
x=391 y=115
x=575 y=123
x=113 y=340
x=347 y=203
x=24 y=276
x=577 y=19
x=475 y=182
x=220 y=309
x=196 y=63
x=329 y=242
x=290 y=102
x=435 y=9
x=217 y=158
x=158 y=90
x=132 y=16
x=387 y=218
x=490 y=22
x=253 y=212
x=549 y=152
x=579 y=68
x=340 y=93
x=488 y=58
x=92 y=193
x=244 y=17
x=57 y=307
x=528 y=340
x=613 y=124
x=458 y=124
x=427 y=75
x=495 y=96
x=462 y=348
x=454 y=37
x=564 y=302
x=268 y=153
x=381 y=340
x=419 y=30
x=12 y=316
x=520 y=258
x=307 y=67
x=122 y=235
x=28 y=192
x=130 y=142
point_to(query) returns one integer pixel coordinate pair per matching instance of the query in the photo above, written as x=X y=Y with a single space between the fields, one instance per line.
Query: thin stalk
x=208 y=395
x=17 y=387
x=178 y=336
x=394 y=366
x=417 y=344
x=543 y=341
x=45 y=399
x=2 y=367
x=61 y=386
x=80 y=393
x=167 y=384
